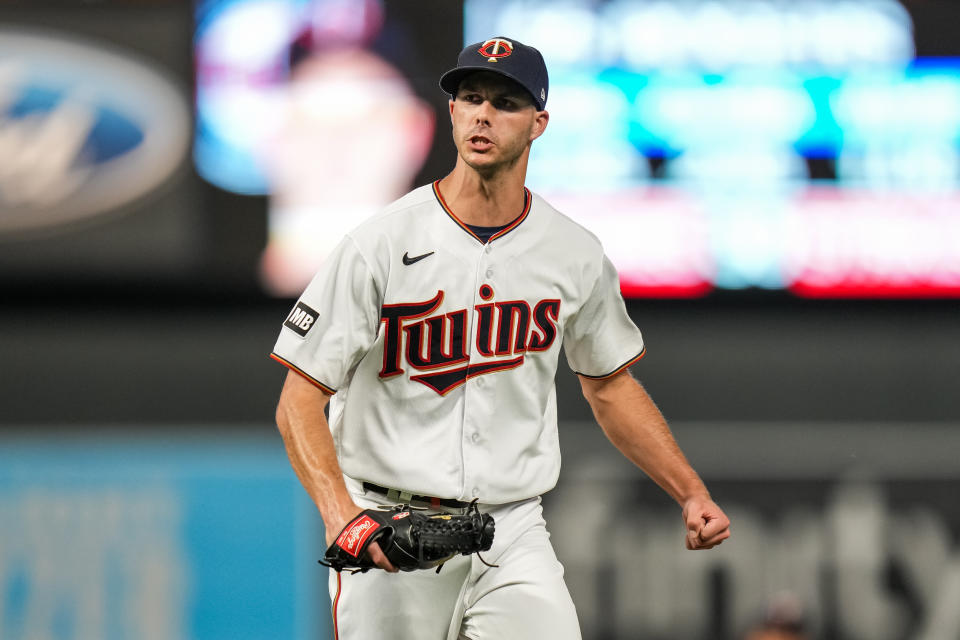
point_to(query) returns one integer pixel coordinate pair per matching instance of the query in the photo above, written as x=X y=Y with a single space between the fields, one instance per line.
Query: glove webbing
x=435 y=535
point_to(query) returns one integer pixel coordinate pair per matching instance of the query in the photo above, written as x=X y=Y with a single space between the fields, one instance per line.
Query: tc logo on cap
x=496 y=48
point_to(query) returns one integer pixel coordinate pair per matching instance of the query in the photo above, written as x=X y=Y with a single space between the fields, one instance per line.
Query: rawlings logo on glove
x=355 y=534
x=411 y=540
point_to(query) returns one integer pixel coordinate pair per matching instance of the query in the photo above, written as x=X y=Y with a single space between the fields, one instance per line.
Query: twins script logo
x=437 y=345
x=352 y=538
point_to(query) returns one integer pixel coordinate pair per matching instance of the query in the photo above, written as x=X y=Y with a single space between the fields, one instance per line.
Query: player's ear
x=539 y=125
x=452 y=102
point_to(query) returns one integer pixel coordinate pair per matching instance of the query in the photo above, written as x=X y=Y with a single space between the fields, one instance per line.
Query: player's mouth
x=479 y=143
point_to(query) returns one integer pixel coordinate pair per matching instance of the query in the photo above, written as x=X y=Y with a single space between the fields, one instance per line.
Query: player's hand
x=707 y=524
x=379 y=558
x=376 y=554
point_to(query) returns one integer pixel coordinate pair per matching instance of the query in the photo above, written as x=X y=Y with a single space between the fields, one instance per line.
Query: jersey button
x=489 y=272
x=475 y=437
x=476 y=491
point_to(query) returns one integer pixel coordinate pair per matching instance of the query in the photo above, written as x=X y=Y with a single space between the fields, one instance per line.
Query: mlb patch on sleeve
x=301 y=319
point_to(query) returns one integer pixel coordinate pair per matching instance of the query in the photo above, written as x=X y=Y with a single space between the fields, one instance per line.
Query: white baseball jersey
x=442 y=349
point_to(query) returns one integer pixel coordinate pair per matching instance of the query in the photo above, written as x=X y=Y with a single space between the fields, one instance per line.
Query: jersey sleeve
x=600 y=339
x=334 y=323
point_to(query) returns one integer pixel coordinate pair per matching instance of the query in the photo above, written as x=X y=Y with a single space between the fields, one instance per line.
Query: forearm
x=634 y=425
x=311 y=451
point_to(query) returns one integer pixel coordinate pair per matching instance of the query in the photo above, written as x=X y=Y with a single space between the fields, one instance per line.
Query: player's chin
x=483 y=163
x=479 y=156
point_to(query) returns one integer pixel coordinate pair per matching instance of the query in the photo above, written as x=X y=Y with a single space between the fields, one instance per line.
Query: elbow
x=282 y=418
x=300 y=403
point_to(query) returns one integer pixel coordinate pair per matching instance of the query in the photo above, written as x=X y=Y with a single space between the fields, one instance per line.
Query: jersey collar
x=527 y=203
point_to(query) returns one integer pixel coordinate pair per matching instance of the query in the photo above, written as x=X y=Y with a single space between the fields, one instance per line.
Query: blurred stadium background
x=778 y=182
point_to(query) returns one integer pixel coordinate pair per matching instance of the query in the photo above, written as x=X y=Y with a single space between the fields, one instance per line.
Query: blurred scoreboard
x=712 y=146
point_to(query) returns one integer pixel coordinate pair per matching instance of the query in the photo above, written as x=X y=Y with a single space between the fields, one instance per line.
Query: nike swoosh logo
x=407 y=260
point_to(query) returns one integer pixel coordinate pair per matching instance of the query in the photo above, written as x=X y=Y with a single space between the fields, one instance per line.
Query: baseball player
x=433 y=334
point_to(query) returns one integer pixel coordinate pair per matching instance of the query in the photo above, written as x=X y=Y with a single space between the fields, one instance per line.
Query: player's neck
x=483 y=201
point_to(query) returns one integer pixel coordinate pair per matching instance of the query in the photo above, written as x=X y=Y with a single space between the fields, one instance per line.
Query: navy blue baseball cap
x=508 y=57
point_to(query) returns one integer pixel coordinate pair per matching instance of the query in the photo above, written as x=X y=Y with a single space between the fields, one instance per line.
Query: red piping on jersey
x=336 y=601
x=527 y=203
x=629 y=363
x=303 y=373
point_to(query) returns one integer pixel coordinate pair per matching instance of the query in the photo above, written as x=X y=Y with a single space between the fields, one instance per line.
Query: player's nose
x=484 y=112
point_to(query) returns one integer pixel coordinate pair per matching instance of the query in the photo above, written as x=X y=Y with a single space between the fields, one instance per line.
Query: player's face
x=494 y=122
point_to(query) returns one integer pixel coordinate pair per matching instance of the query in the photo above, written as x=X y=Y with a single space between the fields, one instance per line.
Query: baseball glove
x=410 y=539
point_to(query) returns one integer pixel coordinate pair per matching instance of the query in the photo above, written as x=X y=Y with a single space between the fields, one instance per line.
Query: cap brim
x=451 y=80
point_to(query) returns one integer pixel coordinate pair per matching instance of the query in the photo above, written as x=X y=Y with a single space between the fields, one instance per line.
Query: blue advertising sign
x=168 y=535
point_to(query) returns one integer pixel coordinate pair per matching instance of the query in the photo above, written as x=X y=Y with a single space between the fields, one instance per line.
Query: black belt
x=406 y=498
